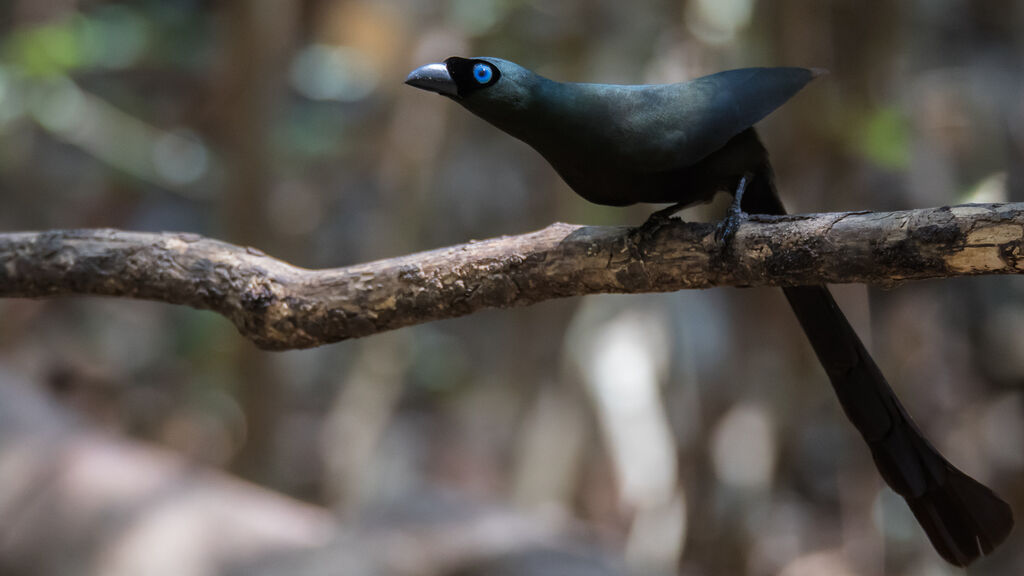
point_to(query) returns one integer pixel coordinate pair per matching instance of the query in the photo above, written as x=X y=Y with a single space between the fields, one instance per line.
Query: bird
x=681 y=144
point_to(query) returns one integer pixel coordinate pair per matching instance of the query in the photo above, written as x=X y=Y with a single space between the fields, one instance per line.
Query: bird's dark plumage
x=645 y=135
x=682 y=143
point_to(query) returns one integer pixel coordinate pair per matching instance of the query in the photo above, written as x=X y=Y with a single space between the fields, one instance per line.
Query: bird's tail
x=962 y=518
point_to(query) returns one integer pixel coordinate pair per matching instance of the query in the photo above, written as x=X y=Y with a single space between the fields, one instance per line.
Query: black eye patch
x=471 y=75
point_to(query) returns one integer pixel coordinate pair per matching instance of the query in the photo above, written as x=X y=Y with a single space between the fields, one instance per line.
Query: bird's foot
x=726 y=229
x=662 y=217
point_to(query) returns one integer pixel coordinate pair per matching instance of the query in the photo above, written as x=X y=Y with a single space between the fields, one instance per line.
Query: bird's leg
x=735 y=216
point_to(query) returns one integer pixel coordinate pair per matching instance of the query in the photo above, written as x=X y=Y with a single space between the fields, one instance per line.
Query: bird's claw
x=661 y=217
x=726 y=229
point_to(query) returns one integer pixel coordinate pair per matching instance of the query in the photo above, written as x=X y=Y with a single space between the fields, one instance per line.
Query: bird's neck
x=557 y=118
x=525 y=114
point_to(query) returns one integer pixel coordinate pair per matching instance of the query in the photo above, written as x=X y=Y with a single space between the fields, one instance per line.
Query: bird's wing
x=666 y=127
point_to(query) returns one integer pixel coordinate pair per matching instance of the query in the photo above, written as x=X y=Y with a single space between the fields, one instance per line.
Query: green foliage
x=112 y=37
x=884 y=138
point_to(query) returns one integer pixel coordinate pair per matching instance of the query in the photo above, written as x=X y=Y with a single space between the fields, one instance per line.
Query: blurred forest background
x=690 y=433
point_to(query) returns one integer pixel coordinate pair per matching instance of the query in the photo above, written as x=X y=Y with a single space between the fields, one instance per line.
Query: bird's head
x=491 y=88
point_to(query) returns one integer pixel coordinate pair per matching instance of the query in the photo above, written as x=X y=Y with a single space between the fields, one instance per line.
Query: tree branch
x=279 y=306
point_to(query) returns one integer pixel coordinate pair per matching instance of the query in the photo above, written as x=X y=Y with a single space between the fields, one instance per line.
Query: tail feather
x=962 y=518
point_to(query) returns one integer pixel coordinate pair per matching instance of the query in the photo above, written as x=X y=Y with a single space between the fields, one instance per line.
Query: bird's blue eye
x=482 y=73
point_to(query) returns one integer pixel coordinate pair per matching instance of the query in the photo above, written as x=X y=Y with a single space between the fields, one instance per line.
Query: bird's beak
x=433 y=77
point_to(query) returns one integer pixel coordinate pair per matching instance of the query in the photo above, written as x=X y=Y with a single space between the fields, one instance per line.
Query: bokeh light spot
x=743 y=447
x=322 y=72
x=716 y=22
x=180 y=157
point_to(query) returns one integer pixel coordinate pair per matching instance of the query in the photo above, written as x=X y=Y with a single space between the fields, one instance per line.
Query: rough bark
x=279 y=306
